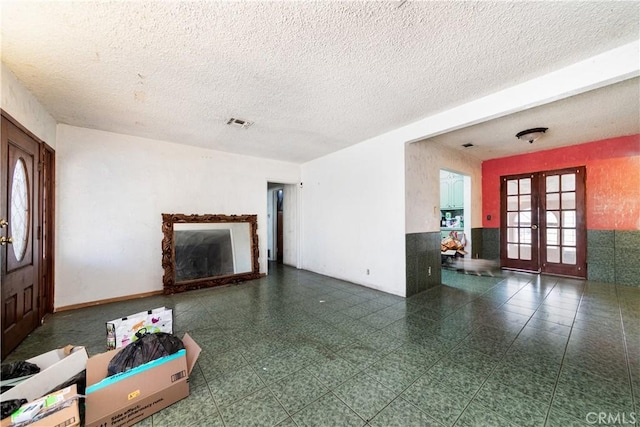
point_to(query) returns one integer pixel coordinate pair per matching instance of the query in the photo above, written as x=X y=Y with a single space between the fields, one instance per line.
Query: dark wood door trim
x=22 y=128
x=46 y=229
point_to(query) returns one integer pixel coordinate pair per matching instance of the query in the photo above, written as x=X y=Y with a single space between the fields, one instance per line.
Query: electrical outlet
x=367 y=271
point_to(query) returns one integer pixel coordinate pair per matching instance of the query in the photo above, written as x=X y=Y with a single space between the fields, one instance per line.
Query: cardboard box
x=128 y=398
x=56 y=367
x=67 y=416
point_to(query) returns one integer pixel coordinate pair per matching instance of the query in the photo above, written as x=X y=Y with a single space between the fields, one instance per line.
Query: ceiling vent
x=239 y=123
x=467 y=145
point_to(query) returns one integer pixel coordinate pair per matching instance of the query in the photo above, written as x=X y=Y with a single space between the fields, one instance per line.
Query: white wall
x=353 y=215
x=16 y=100
x=113 y=189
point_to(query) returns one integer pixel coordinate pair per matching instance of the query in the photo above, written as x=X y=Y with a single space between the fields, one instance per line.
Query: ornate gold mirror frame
x=179 y=228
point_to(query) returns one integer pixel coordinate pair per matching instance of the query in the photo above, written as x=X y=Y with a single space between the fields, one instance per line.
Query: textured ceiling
x=590 y=116
x=314 y=77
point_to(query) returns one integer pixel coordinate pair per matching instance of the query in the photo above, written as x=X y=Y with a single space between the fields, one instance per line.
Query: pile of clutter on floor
x=454 y=242
x=145 y=369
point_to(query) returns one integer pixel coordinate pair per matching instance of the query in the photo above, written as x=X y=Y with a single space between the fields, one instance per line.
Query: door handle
x=534 y=227
x=5 y=240
x=3 y=223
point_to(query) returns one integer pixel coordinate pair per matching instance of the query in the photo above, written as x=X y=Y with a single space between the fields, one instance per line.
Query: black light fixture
x=531 y=135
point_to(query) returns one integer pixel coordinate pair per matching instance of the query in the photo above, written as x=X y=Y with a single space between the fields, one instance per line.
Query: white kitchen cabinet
x=451 y=191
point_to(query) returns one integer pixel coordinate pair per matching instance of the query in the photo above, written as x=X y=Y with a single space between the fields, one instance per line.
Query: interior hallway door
x=543 y=226
x=19 y=251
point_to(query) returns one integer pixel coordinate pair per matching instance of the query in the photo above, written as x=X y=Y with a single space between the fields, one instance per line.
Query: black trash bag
x=148 y=347
x=11 y=406
x=18 y=369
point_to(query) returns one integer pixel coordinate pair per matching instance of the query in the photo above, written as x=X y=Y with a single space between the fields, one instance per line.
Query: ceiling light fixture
x=531 y=135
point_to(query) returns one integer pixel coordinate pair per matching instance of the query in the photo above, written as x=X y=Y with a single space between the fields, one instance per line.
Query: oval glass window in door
x=19 y=218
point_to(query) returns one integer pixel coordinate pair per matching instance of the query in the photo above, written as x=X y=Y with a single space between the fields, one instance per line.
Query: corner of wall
x=17 y=101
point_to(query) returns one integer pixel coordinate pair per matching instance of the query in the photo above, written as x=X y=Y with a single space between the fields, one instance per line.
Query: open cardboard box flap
x=193 y=351
x=56 y=367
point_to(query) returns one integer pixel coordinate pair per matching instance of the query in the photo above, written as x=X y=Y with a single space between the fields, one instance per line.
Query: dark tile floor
x=300 y=349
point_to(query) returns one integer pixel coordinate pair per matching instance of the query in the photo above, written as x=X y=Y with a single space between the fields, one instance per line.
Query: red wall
x=613 y=180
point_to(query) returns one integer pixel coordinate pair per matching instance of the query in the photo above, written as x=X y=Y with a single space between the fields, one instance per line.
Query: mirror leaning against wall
x=200 y=251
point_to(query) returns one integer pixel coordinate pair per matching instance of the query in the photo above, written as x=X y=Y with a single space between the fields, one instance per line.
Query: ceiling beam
x=610 y=67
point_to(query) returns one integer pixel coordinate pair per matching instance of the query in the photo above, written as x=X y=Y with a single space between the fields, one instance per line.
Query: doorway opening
x=282 y=224
x=275 y=222
x=455 y=208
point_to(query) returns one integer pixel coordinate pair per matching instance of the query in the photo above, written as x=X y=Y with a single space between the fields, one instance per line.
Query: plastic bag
x=148 y=347
x=10 y=406
x=18 y=369
x=121 y=332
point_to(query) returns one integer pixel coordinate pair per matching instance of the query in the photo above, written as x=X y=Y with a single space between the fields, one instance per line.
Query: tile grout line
x=501 y=358
x=266 y=386
x=398 y=395
x=468 y=300
x=212 y=396
x=555 y=386
x=444 y=354
x=359 y=371
x=626 y=352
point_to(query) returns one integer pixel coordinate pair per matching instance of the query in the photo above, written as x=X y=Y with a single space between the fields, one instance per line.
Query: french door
x=542 y=225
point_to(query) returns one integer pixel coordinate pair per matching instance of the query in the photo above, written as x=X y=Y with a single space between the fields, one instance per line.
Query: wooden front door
x=543 y=226
x=19 y=250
